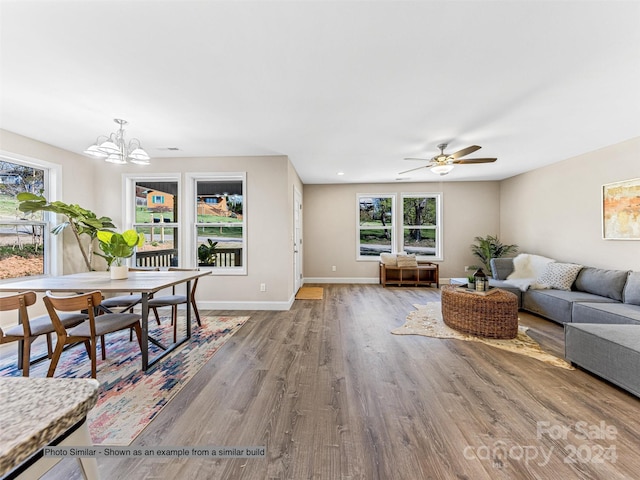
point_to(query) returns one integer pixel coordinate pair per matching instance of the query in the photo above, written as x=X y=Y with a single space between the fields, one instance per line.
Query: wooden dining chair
x=27 y=330
x=89 y=330
x=174 y=300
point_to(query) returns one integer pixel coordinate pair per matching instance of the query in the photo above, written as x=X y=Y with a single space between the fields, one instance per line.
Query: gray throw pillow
x=501 y=268
x=632 y=289
x=606 y=283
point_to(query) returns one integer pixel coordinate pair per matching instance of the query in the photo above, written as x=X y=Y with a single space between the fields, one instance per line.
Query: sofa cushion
x=509 y=288
x=407 y=261
x=501 y=268
x=631 y=292
x=611 y=313
x=389 y=259
x=556 y=305
x=607 y=283
x=559 y=275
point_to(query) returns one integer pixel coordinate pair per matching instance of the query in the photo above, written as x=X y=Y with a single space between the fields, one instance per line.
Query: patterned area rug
x=129 y=399
x=427 y=321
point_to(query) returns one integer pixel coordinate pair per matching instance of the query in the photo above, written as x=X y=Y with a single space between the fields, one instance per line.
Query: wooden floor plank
x=333 y=395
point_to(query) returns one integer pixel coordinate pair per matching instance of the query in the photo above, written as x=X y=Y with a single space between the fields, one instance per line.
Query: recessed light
x=340 y=173
x=173 y=149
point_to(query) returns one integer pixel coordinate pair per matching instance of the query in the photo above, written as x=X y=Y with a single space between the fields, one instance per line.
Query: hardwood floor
x=332 y=394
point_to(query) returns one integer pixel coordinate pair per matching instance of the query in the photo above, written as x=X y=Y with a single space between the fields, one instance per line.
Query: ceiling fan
x=444 y=163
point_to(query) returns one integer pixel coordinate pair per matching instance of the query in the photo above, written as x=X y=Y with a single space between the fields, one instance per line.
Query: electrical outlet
x=333 y=268
x=467 y=268
x=263 y=287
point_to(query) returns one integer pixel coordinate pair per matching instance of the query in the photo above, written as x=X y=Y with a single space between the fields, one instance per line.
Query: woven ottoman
x=490 y=316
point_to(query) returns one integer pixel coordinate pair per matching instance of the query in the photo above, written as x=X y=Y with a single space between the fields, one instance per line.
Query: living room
x=309 y=379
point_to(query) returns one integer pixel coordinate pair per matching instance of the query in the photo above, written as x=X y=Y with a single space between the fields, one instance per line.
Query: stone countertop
x=36 y=411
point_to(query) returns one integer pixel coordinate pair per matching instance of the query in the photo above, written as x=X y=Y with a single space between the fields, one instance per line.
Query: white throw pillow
x=389 y=259
x=407 y=261
x=559 y=276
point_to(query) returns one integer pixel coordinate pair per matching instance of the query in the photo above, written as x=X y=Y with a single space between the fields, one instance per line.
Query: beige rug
x=427 y=321
x=310 y=293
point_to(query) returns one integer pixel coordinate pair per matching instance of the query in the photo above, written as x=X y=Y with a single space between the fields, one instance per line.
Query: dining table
x=146 y=283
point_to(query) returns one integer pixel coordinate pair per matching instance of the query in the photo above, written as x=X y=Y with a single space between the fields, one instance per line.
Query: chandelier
x=115 y=149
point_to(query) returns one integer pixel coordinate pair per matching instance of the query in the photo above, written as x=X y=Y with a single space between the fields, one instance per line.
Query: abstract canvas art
x=621 y=210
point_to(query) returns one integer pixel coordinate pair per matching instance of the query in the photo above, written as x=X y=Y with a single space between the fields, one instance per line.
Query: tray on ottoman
x=490 y=316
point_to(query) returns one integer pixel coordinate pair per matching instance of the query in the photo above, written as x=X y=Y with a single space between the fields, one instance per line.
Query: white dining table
x=144 y=282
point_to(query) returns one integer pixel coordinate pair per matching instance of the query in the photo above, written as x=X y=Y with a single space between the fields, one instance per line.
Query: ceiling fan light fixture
x=441 y=169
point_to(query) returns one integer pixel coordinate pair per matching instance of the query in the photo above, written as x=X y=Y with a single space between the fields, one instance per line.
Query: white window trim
x=191 y=219
x=393 y=228
x=401 y=226
x=129 y=207
x=52 y=190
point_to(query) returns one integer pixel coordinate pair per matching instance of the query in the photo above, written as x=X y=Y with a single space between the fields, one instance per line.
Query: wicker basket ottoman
x=490 y=316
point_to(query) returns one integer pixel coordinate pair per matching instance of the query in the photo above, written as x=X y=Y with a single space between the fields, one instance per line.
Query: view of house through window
x=219 y=222
x=23 y=249
x=156 y=216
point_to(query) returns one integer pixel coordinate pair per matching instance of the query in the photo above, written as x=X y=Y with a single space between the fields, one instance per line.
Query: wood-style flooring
x=332 y=394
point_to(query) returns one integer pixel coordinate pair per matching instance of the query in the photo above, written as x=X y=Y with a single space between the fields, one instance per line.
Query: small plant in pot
x=471 y=282
x=116 y=247
x=207 y=253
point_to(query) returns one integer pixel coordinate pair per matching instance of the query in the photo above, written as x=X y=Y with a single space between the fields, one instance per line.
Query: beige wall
x=270 y=180
x=556 y=210
x=330 y=214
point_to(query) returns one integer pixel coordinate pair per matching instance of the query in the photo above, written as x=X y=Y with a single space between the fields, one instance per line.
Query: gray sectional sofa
x=601 y=316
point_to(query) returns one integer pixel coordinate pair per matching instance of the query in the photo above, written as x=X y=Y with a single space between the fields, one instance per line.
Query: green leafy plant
x=118 y=246
x=207 y=253
x=80 y=220
x=490 y=247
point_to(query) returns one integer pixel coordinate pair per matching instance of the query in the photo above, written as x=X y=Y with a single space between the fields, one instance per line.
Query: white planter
x=119 y=273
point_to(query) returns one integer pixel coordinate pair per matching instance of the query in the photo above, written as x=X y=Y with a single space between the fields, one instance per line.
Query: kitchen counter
x=38 y=411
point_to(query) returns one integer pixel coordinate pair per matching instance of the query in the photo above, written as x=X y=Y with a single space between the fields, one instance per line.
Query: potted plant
x=207 y=253
x=471 y=282
x=490 y=247
x=116 y=247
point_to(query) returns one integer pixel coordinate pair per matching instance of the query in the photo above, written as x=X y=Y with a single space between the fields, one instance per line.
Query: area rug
x=130 y=399
x=427 y=321
x=310 y=293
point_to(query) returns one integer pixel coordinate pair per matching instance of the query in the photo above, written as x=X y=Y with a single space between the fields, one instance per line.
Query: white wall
x=556 y=210
x=469 y=209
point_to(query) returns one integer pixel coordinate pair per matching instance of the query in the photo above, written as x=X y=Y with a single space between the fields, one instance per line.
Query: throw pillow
x=407 y=261
x=559 y=276
x=632 y=289
x=389 y=259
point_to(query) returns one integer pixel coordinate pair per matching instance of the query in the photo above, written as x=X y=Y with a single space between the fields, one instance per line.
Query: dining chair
x=174 y=300
x=27 y=330
x=127 y=302
x=89 y=330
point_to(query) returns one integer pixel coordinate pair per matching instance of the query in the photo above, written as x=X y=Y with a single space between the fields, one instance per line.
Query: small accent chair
x=28 y=330
x=174 y=300
x=88 y=331
x=127 y=302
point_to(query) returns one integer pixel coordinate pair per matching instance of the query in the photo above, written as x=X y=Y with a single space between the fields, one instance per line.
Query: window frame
x=52 y=187
x=438 y=226
x=191 y=181
x=359 y=228
x=129 y=207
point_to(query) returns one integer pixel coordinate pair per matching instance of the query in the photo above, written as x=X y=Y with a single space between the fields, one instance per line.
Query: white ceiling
x=349 y=86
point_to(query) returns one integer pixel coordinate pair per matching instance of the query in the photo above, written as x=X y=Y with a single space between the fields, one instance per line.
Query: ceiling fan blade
x=464 y=151
x=421 y=159
x=413 y=169
x=475 y=160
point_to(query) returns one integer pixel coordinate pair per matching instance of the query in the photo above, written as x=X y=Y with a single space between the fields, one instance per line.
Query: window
x=25 y=244
x=421 y=225
x=375 y=225
x=155 y=201
x=219 y=233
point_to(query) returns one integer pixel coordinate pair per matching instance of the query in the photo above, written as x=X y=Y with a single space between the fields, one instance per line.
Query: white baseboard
x=341 y=280
x=239 y=305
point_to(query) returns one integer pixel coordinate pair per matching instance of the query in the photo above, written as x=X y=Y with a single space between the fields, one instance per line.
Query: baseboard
x=341 y=280
x=239 y=305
